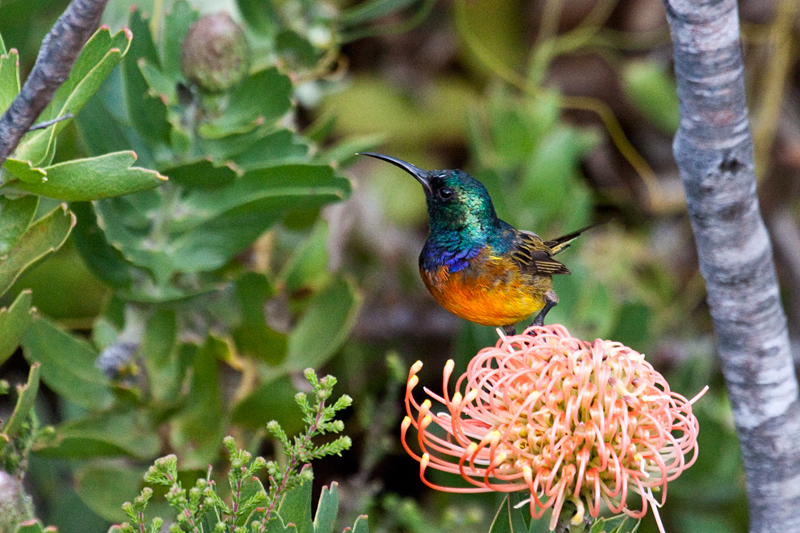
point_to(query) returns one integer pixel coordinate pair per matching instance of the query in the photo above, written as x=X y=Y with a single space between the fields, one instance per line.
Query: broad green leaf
x=502 y=522
x=15 y=217
x=307 y=267
x=159 y=350
x=198 y=429
x=264 y=97
x=327 y=509
x=652 y=89
x=176 y=24
x=253 y=337
x=260 y=15
x=44 y=236
x=68 y=365
x=102 y=486
x=147 y=114
x=202 y=174
x=237 y=215
x=14 y=320
x=26 y=398
x=25 y=171
x=295 y=48
x=272 y=400
x=105 y=261
x=160 y=86
x=98 y=58
x=277 y=148
x=9 y=79
x=94 y=178
x=371 y=10
x=33 y=526
x=295 y=508
x=106 y=433
x=361 y=525
x=328 y=319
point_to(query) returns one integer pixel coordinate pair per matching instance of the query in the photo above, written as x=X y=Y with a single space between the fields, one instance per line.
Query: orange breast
x=492 y=291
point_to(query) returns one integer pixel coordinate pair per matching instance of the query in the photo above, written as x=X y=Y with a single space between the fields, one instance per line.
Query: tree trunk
x=714 y=151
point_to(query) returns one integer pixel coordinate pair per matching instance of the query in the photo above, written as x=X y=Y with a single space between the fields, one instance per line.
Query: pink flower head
x=559 y=417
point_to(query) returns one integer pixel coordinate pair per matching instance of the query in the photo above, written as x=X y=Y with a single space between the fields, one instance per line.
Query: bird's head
x=456 y=200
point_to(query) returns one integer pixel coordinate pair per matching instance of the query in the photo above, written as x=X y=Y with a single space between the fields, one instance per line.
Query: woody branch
x=714 y=151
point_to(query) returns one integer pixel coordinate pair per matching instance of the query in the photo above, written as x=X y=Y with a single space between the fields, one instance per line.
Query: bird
x=476 y=265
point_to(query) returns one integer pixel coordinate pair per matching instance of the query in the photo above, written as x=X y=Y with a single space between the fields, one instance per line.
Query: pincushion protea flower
x=560 y=417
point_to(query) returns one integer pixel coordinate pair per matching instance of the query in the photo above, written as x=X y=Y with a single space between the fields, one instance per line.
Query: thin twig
x=57 y=54
x=47 y=123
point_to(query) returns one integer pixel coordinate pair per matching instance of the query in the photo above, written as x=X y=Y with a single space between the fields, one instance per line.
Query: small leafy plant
x=284 y=506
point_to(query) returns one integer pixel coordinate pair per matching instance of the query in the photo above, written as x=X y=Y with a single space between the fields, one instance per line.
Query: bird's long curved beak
x=422 y=176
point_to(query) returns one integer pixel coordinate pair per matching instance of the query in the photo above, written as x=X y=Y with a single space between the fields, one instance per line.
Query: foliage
x=286 y=505
x=184 y=312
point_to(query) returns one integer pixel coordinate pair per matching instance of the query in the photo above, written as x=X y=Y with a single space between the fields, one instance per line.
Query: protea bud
x=215 y=55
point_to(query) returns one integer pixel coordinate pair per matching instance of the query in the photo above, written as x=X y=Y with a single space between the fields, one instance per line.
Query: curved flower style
x=560 y=417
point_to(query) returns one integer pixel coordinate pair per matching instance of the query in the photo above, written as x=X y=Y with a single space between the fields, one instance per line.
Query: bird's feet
x=550 y=301
x=510 y=329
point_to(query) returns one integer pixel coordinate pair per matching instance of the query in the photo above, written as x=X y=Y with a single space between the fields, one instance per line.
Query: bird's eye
x=445 y=193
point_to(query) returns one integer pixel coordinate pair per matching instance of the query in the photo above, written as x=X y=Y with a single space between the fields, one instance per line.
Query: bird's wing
x=535 y=256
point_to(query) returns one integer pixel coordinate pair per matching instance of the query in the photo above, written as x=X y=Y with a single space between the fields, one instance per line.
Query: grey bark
x=57 y=54
x=714 y=151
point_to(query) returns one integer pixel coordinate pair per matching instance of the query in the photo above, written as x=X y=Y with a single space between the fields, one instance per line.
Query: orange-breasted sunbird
x=476 y=265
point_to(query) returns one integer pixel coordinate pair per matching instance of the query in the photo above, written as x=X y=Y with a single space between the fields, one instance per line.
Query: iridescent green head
x=456 y=201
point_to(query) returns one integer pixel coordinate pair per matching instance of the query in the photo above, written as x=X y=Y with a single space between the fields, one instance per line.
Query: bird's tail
x=560 y=244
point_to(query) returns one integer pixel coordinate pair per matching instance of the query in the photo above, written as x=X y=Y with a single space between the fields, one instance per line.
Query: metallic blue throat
x=434 y=256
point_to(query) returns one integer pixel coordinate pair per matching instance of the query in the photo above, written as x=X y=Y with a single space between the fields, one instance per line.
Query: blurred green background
x=564 y=110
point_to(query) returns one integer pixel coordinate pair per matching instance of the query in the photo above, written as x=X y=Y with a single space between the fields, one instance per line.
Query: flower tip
x=405 y=424
x=423 y=464
x=416 y=367
x=449 y=365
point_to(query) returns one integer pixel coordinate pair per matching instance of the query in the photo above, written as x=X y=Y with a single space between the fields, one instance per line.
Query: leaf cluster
x=284 y=506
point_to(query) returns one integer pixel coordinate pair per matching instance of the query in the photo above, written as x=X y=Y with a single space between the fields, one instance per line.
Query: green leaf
x=103 y=486
x=202 y=174
x=160 y=86
x=361 y=525
x=327 y=509
x=44 y=236
x=15 y=217
x=277 y=148
x=507 y=519
x=307 y=267
x=33 y=526
x=94 y=178
x=264 y=97
x=147 y=114
x=9 y=79
x=367 y=11
x=199 y=428
x=14 y=320
x=237 y=215
x=106 y=433
x=159 y=349
x=26 y=398
x=176 y=25
x=105 y=261
x=272 y=400
x=651 y=87
x=329 y=317
x=260 y=15
x=97 y=59
x=253 y=337
x=296 y=508
x=67 y=365
x=24 y=170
